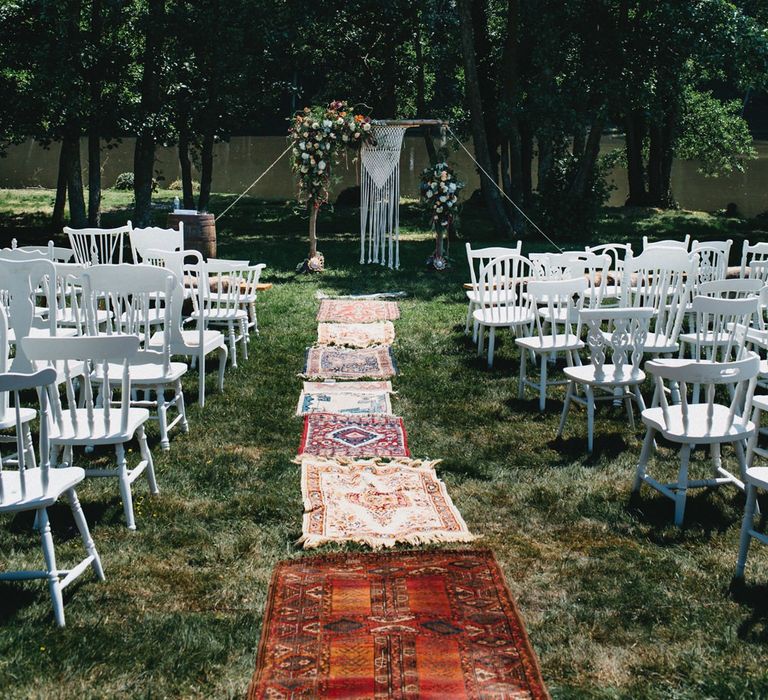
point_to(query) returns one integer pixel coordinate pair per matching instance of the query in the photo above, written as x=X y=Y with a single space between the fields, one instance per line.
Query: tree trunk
x=313 y=211
x=486 y=80
x=144 y=151
x=185 y=165
x=635 y=137
x=526 y=161
x=546 y=157
x=57 y=219
x=667 y=157
x=94 y=177
x=655 y=166
x=206 y=172
x=77 y=214
x=421 y=89
x=588 y=160
x=490 y=193
x=579 y=141
x=94 y=141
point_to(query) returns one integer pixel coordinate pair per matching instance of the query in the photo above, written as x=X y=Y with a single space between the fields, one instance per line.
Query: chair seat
x=66 y=317
x=76 y=368
x=99 y=433
x=708 y=338
x=758 y=476
x=43 y=333
x=548 y=343
x=9 y=419
x=189 y=342
x=503 y=315
x=221 y=315
x=142 y=374
x=59 y=481
x=697 y=424
x=610 y=376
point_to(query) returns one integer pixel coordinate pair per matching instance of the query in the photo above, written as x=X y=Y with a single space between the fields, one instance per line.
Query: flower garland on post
x=440 y=198
x=319 y=136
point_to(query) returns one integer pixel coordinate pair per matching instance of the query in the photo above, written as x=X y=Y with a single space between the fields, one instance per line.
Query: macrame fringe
x=406 y=462
x=378 y=295
x=422 y=538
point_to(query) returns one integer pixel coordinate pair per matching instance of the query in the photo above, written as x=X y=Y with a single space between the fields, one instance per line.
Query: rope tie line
x=253 y=184
x=504 y=194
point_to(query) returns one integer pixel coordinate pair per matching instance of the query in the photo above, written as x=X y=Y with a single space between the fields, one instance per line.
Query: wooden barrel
x=199 y=232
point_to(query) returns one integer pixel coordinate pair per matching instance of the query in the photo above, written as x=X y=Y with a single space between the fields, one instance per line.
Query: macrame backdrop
x=380 y=196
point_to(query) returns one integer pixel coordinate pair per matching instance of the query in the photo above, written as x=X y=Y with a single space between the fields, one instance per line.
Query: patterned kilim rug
x=345 y=387
x=333 y=435
x=356 y=335
x=440 y=625
x=357 y=311
x=377 y=503
x=353 y=403
x=339 y=363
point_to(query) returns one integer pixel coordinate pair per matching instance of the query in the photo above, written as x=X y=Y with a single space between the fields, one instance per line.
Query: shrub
x=176 y=185
x=124 y=181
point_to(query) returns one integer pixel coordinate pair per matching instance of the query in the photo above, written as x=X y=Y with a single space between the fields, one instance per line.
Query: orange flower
x=359 y=118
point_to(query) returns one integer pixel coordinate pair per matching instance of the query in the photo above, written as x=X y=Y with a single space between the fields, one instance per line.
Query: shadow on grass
x=753 y=629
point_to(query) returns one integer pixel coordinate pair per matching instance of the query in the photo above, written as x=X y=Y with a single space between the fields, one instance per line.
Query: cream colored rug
x=345 y=402
x=377 y=503
x=356 y=335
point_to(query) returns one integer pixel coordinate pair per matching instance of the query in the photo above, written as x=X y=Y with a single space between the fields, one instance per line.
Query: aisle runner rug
x=337 y=363
x=356 y=335
x=377 y=503
x=345 y=387
x=353 y=403
x=333 y=435
x=356 y=311
x=395 y=625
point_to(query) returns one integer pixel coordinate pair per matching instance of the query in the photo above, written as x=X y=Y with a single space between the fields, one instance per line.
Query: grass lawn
x=618 y=603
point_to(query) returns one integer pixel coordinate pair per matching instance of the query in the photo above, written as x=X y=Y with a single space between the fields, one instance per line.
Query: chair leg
x=223 y=352
x=543 y=383
x=54 y=583
x=645 y=455
x=201 y=382
x=181 y=405
x=590 y=418
x=682 y=485
x=85 y=534
x=125 y=487
x=746 y=526
x=245 y=338
x=630 y=412
x=480 y=340
x=147 y=455
x=475 y=327
x=232 y=344
x=162 y=417
x=491 y=343
x=566 y=408
x=29 y=446
x=717 y=462
x=521 y=380
x=254 y=319
x=469 y=318
x=640 y=399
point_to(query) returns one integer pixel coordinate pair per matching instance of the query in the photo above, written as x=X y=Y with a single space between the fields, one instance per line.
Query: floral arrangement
x=440 y=188
x=319 y=136
x=440 y=194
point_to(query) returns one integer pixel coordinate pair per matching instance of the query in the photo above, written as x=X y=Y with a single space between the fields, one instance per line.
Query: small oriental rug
x=339 y=363
x=357 y=311
x=333 y=435
x=346 y=387
x=411 y=625
x=353 y=403
x=377 y=503
x=356 y=335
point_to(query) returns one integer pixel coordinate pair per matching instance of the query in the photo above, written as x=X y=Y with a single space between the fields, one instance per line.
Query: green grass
x=618 y=603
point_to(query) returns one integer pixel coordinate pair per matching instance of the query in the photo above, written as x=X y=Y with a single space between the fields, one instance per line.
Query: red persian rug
x=357 y=311
x=337 y=435
x=429 y=625
x=340 y=363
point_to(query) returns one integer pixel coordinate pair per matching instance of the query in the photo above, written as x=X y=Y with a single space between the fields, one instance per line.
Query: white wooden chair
x=668 y=243
x=594 y=267
x=623 y=343
x=716 y=336
x=476 y=259
x=617 y=253
x=51 y=251
x=758 y=270
x=660 y=278
x=139 y=298
x=757 y=252
x=707 y=423
x=712 y=263
x=756 y=477
x=155 y=238
x=110 y=423
x=738 y=288
x=98 y=246
x=503 y=300
x=37 y=489
x=558 y=329
x=196 y=343
x=225 y=285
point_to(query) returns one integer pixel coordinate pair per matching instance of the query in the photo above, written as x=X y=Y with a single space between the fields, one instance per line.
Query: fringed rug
x=331 y=385
x=357 y=311
x=377 y=503
x=339 y=363
x=436 y=625
x=333 y=435
x=346 y=402
x=356 y=335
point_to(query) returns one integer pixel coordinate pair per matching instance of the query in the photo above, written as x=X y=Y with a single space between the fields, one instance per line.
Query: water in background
x=239 y=162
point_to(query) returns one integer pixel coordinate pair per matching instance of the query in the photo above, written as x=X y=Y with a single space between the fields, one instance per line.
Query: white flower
x=305 y=168
x=357 y=134
x=321 y=165
x=302 y=145
x=327 y=123
x=340 y=120
x=366 y=126
x=295 y=151
x=450 y=204
x=315 y=125
x=344 y=137
x=305 y=134
x=428 y=194
x=452 y=187
x=327 y=146
x=319 y=137
x=438 y=209
x=305 y=156
x=443 y=198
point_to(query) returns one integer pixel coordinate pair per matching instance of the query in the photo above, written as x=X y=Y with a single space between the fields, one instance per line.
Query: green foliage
x=714 y=133
x=124 y=181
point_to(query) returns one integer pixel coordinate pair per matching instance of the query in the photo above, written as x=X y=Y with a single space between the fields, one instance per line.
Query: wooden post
x=313 y=210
